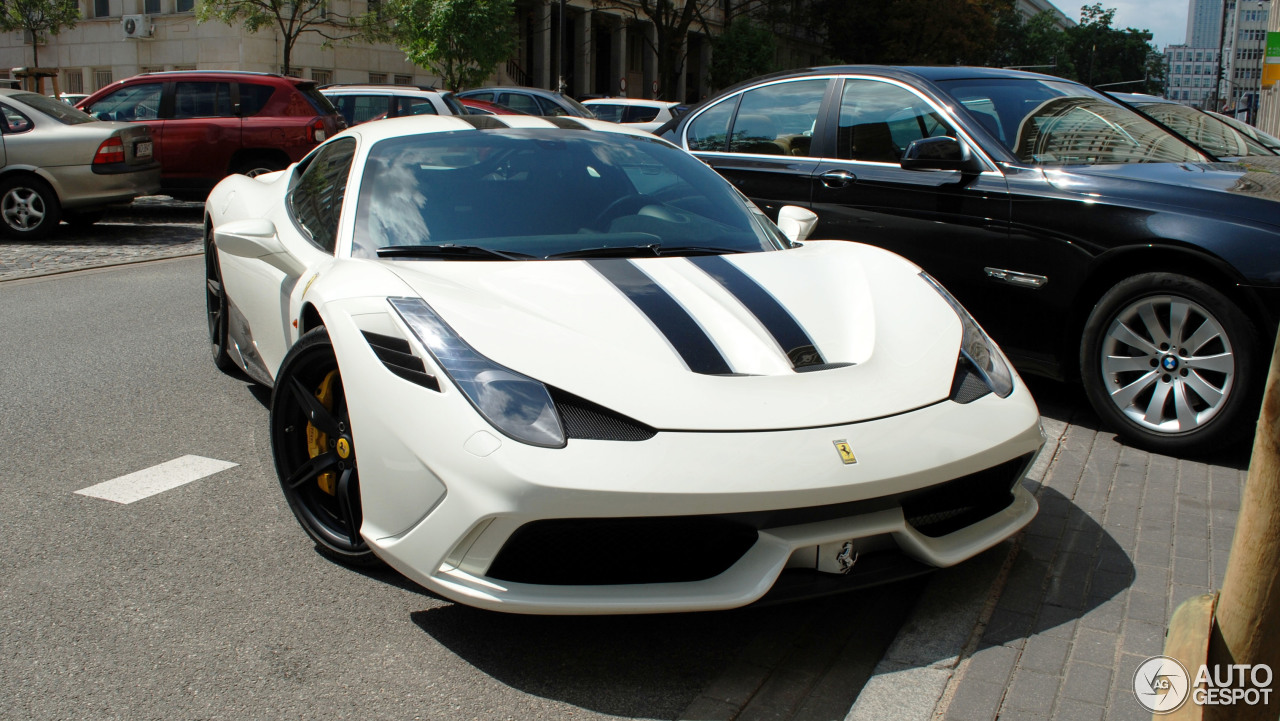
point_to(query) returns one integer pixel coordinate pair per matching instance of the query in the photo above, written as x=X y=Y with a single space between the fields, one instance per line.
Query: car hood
x=888 y=340
x=1248 y=187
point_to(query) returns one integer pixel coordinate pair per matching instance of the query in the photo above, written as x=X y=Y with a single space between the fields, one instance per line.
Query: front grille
x=948 y=507
x=605 y=551
x=967 y=386
x=591 y=422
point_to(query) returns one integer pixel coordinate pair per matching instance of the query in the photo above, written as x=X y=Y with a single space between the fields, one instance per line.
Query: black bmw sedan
x=1091 y=243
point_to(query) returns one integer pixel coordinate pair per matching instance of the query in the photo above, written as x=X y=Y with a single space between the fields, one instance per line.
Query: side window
x=316 y=201
x=135 y=102
x=14 y=121
x=778 y=119
x=415 y=106
x=202 y=100
x=253 y=98
x=612 y=113
x=640 y=114
x=710 y=130
x=520 y=101
x=550 y=108
x=487 y=97
x=878 y=120
x=362 y=108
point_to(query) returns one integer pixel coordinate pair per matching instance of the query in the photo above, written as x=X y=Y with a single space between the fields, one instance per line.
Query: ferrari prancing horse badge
x=846 y=453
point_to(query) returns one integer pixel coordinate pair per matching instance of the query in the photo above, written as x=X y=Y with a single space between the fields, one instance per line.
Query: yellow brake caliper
x=318 y=442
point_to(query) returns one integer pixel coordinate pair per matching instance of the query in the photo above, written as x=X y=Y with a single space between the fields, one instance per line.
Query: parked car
x=1092 y=244
x=646 y=115
x=1208 y=132
x=208 y=124
x=534 y=101
x=1271 y=142
x=480 y=107
x=61 y=164
x=72 y=98
x=361 y=103
x=560 y=366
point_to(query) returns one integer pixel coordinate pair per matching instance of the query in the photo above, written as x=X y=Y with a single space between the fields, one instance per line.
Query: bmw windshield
x=1049 y=123
x=547 y=193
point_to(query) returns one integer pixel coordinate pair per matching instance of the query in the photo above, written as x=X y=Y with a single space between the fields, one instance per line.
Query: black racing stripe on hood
x=564 y=122
x=671 y=319
x=775 y=318
x=484 y=122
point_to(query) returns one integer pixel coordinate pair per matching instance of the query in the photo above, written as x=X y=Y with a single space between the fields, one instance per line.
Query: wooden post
x=1247 y=617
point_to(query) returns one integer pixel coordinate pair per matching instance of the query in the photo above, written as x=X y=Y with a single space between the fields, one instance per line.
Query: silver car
x=61 y=164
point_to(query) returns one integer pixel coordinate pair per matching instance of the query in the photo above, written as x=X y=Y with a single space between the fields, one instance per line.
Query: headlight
x=515 y=404
x=977 y=347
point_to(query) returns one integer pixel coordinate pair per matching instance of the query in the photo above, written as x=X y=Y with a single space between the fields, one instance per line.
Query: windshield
x=54 y=108
x=1204 y=130
x=1047 y=122
x=539 y=193
x=1269 y=141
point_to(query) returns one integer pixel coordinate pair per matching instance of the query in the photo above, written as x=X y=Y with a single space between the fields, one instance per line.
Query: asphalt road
x=208 y=602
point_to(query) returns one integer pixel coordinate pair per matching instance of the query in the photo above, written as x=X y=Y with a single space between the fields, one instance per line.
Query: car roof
x=902 y=72
x=376 y=87
x=514 y=88
x=417 y=124
x=205 y=74
x=641 y=102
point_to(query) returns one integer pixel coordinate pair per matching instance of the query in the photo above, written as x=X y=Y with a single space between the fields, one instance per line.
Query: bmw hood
x=825 y=334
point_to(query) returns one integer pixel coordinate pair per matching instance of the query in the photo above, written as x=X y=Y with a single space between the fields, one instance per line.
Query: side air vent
x=591 y=422
x=396 y=355
x=967 y=386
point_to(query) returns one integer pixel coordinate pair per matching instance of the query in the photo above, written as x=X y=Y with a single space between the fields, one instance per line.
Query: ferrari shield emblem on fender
x=846 y=453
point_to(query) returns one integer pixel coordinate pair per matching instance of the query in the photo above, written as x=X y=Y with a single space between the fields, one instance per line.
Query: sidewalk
x=1075 y=603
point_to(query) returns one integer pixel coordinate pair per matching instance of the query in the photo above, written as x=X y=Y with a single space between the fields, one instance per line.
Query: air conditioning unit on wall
x=136 y=26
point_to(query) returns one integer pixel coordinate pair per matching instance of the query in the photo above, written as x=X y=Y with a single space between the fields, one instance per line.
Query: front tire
x=1170 y=363
x=314 y=451
x=216 y=305
x=254 y=167
x=29 y=208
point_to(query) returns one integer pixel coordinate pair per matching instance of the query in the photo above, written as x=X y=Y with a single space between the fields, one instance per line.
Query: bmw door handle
x=837 y=178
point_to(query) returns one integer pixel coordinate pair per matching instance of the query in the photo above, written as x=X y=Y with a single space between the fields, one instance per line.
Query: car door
x=202 y=133
x=763 y=140
x=947 y=221
x=307 y=226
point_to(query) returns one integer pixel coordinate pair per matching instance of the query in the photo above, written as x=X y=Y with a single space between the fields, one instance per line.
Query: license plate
x=142 y=150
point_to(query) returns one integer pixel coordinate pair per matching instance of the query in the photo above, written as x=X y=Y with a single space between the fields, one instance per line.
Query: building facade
x=1191 y=74
x=1243 y=53
x=1204 y=23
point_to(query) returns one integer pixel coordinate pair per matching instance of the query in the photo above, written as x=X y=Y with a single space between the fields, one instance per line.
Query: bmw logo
x=1170 y=363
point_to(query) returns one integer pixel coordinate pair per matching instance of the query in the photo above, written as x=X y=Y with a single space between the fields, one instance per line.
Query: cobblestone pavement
x=150 y=228
x=1069 y=608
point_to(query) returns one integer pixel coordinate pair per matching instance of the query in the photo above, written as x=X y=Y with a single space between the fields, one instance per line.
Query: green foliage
x=1035 y=44
x=910 y=32
x=462 y=41
x=1102 y=55
x=291 y=18
x=40 y=17
x=746 y=49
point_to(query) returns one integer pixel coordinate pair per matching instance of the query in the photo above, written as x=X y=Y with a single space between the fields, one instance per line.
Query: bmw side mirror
x=940 y=153
x=796 y=223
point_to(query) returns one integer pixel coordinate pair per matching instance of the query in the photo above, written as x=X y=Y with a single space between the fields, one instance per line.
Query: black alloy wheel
x=29 y=208
x=1171 y=363
x=216 y=305
x=314 y=450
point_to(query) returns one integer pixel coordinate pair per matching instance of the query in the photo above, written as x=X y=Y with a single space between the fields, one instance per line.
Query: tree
x=292 y=19
x=39 y=17
x=1104 y=56
x=672 y=19
x=462 y=41
x=925 y=32
x=744 y=50
x=1035 y=44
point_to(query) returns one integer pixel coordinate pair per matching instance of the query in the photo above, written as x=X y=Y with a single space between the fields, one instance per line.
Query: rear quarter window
x=254 y=97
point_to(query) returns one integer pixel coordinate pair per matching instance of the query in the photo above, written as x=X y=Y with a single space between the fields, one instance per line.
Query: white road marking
x=156 y=479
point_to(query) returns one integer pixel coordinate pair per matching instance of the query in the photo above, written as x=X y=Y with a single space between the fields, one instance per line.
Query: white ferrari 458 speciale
x=551 y=365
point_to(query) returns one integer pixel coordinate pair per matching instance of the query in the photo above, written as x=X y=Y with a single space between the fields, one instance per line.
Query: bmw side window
x=710 y=130
x=202 y=100
x=14 y=121
x=878 y=120
x=316 y=201
x=135 y=102
x=778 y=119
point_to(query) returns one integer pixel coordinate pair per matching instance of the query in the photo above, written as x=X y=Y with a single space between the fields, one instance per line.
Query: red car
x=209 y=124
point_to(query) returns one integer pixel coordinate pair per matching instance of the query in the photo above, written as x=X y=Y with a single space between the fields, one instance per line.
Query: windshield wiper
x=450 y=250
x=656 y=249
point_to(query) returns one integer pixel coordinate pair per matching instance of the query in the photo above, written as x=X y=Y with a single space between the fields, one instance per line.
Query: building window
x=151 y=7
x=377 y=78
x=74 y=81
x=101 y=8
x=292 y=73
x=404 y=80
x=184 y=6
x=101 y=79
x=322 y=77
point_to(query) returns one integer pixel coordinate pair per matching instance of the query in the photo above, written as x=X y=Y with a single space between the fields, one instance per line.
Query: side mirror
x=257 y=239
x=796 y=223
x=940 y=153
